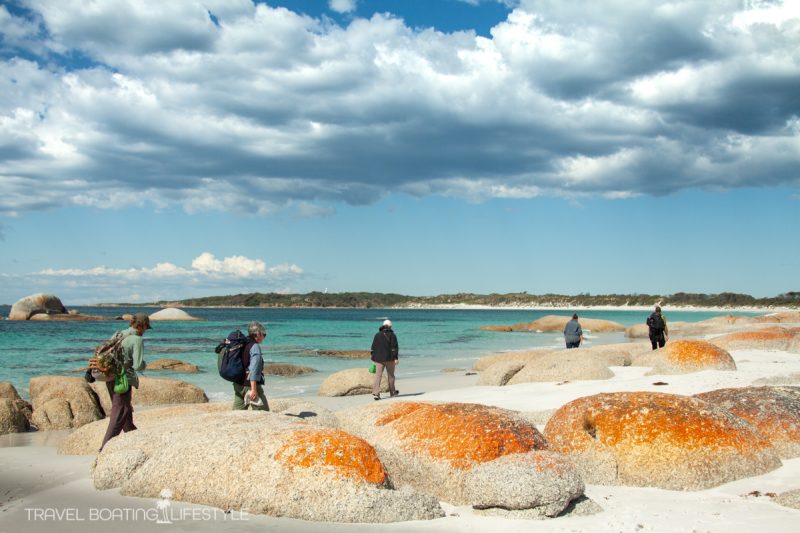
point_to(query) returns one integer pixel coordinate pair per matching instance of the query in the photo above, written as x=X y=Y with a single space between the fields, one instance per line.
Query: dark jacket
x=653 y=321
x=384 y=345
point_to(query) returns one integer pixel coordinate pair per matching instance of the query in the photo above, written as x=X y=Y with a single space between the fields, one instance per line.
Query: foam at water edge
x=216 y=397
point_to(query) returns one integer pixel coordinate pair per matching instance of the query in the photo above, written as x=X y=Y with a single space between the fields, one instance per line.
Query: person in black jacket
x=384 y=354
x=658 y=332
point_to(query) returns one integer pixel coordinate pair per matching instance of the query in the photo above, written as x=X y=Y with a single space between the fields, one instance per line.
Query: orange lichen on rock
x=657 y=439
x=639 y=417
x=461 y=434
x=774 y=411
x=772 y=338
x=786 y=316
x=698 y=355
x=347 y=455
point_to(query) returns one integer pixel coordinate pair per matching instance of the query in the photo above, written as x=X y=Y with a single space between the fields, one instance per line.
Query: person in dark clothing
x=384 y=354
x=658 y=329
x=573 y=334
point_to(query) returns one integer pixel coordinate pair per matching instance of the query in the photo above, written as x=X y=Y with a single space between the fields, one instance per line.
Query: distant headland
x=367 y=300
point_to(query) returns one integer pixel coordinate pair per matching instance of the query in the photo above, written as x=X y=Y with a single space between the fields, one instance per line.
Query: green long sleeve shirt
x=133 y=355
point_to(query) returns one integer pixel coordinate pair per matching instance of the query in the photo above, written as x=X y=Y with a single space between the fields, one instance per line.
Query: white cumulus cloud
x=342 y=6
x=206 y=276
x=237 y=266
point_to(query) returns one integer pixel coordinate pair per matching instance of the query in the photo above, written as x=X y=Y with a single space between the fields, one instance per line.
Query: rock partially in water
x=345 y=354
x=42 y=303
x=173 y=314
x=281 y=369
x=174 y=365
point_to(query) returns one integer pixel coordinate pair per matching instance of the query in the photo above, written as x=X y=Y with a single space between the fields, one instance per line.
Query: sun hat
x=141 y=319
x=387 y=323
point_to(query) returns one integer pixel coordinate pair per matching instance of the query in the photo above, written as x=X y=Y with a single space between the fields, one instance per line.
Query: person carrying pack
x=658 y=331
x=240 y=361
x=126 y=360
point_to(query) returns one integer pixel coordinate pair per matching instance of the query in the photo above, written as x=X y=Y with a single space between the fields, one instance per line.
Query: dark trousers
x=121 y=417
x=574 y=344
x=657 y=340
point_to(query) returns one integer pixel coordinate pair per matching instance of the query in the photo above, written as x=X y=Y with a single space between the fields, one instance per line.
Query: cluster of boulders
x=556 y=365
x=678 y=357
x=410 y=455
x=43 y=306
x=770 y=338
x=389 y=462
x=47 y=304
x=61 y=402
x=718 y=325
x=262 y=462
x=594 y=363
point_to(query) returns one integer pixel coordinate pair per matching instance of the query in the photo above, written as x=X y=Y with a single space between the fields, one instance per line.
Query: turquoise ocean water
x=430 y=339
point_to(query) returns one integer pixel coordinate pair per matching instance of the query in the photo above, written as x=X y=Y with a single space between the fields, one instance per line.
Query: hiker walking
x=384 y=354
x=250 y=390
x=658 y=329
x=121 y=417
x=573 y=334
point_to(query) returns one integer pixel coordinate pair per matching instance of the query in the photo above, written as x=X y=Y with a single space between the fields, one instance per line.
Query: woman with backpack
x=658 y=329
x=249 y=390
x=384 y=354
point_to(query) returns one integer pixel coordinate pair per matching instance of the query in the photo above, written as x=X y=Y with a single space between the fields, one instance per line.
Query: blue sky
x=153 y=150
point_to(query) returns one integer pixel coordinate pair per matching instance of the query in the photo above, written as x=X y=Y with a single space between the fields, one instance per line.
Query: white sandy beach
x=40 y=490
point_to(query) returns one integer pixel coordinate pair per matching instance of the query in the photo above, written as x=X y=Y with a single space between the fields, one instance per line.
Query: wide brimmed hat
x=141 y=319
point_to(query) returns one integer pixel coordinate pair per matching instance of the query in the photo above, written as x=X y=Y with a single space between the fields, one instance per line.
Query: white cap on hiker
x=387 y=323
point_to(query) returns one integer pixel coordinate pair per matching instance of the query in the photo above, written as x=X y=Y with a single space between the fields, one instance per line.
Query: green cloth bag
x=372 y=368
x=121 y=382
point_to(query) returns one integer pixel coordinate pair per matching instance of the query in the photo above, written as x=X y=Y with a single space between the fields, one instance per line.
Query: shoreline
x=476 y=307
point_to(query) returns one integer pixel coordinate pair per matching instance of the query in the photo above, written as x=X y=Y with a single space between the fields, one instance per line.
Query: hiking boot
x=376 y=396
x=393 y=394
